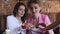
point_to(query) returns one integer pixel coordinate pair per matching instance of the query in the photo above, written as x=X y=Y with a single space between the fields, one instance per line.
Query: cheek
x=19 y=12
x=23 y=11
x=38 y=10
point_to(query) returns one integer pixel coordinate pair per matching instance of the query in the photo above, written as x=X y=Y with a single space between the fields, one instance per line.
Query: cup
x=23 y=29
x=7 y=31
x=23 y=26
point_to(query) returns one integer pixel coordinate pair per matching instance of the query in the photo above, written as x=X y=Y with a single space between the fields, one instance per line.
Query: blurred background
x=49 y=7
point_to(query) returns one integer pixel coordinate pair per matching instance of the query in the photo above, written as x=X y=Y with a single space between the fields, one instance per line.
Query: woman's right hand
x=30 y=25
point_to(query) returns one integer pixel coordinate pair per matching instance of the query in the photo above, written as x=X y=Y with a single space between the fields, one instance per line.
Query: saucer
x=37 y=29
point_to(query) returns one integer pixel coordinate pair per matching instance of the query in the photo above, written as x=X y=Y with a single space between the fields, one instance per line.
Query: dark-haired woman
x=15 y=21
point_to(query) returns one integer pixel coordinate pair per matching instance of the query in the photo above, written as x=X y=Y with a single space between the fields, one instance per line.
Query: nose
x=33 y=10
x=23 y=12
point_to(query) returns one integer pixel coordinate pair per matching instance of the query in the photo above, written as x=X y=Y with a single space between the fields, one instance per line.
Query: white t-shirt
x=13 y=24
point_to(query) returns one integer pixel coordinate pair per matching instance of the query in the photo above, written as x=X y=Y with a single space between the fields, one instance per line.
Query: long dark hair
x=16 y=10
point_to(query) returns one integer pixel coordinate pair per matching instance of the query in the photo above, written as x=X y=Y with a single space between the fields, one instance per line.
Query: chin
x=21 y=15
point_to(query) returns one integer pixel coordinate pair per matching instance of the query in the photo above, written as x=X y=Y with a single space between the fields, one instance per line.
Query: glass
x=23 y=29
x=23 y=26
x=7 y=31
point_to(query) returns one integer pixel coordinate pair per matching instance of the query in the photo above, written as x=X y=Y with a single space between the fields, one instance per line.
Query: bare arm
x=53 y=25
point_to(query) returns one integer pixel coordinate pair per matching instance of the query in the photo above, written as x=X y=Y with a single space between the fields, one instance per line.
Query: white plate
x=34 y=29
x=37 y=29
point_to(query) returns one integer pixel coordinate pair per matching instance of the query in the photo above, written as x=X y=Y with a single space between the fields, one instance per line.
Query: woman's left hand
x=30 y=25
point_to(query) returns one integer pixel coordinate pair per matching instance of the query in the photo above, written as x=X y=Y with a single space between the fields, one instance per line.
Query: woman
x=41 y=20
x=15 y=21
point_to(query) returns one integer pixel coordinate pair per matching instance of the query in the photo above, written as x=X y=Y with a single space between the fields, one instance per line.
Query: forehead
x=22 y=7
x=34 y=5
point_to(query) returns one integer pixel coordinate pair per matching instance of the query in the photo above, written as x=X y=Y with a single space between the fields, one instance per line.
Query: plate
x=37 y=29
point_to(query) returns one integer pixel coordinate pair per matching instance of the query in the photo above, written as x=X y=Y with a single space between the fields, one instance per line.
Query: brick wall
x=48 y=6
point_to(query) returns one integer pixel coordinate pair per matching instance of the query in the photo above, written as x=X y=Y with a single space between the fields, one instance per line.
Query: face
x=35 y=8
x=21 y=11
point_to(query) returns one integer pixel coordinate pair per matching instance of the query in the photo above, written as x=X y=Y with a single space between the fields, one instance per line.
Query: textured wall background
x=49 y=7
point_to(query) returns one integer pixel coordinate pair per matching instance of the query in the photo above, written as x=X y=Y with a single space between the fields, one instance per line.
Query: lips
x=22 y=13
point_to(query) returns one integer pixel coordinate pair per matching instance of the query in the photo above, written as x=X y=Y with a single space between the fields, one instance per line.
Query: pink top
x=42 y=19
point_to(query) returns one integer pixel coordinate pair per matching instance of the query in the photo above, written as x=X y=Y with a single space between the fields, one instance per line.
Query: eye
x=20 y=9
x=35 y=7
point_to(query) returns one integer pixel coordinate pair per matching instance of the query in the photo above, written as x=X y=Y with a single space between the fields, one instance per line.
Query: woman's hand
x=31 y=25
x=28 y=25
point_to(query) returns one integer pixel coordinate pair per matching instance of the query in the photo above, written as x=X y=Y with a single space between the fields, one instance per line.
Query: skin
x=55 y=24
x=20 y=12
x=35 y=8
